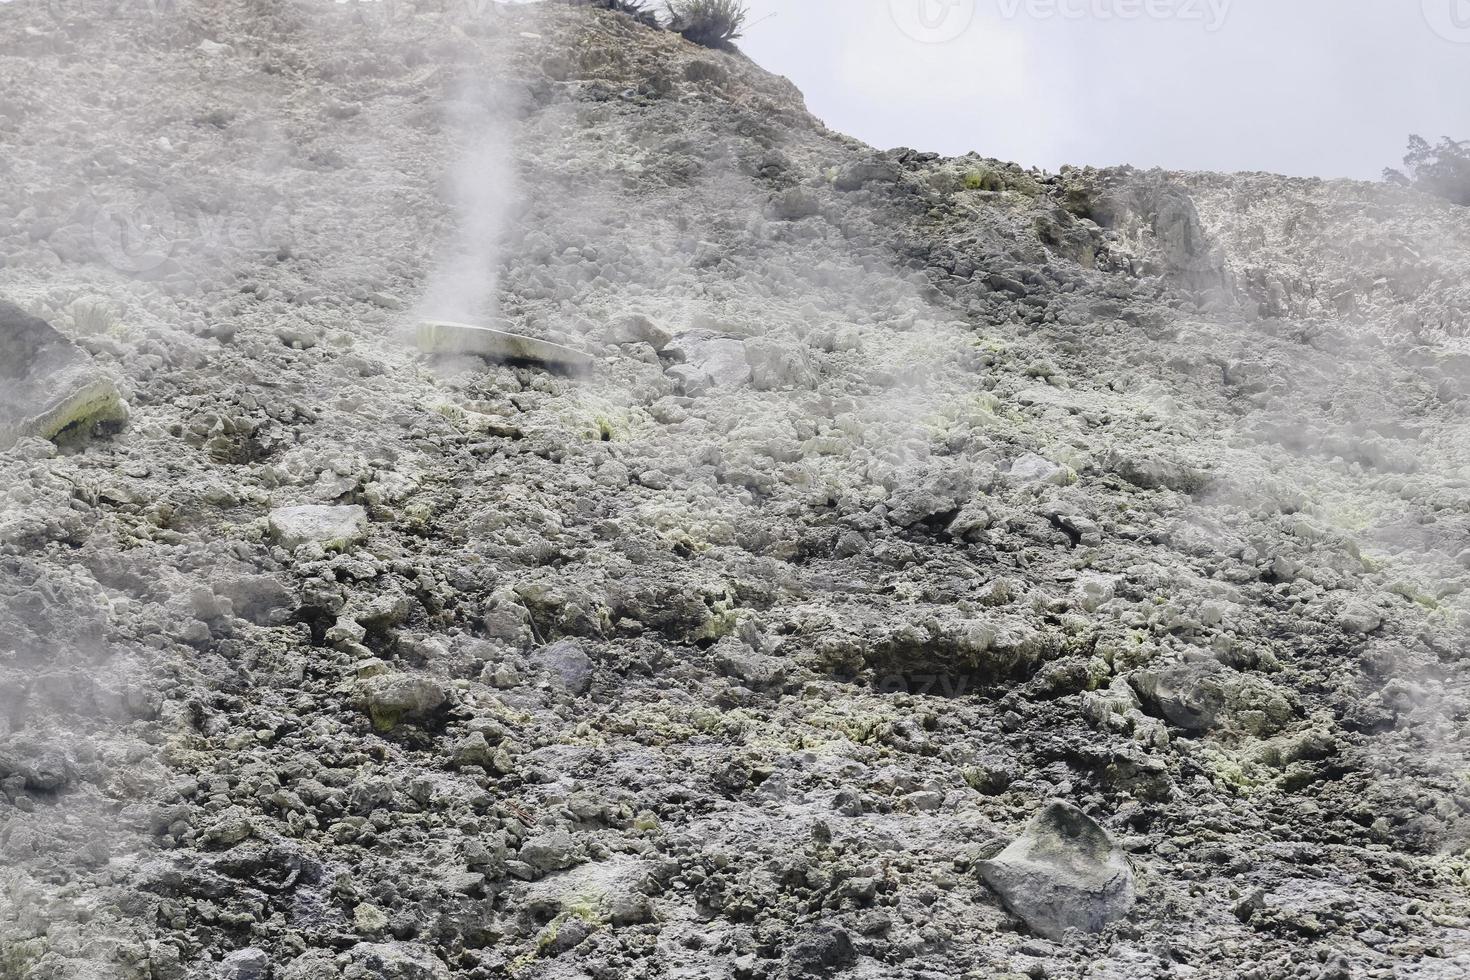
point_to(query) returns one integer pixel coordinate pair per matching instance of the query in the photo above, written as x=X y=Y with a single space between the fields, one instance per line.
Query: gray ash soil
x=905 y=495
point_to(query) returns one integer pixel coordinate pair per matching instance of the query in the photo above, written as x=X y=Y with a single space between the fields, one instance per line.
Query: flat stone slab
x=330 y=526
x=708 y=361
x=1063 y=872
x=448 y=337
x=47 y=385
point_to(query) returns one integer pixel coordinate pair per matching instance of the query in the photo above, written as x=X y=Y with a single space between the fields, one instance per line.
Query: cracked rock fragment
x=1063 y=872
x=708 y=361
x=1200 y=694
x=447 y=337
x=567 y=665
x=393 y=698
x=47 y=386
x=334 y=528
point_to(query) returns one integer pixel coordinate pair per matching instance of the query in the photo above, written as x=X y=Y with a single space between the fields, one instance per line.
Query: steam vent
x=502 y=491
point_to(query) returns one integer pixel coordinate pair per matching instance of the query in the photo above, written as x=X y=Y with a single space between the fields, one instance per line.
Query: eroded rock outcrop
x=47 y=386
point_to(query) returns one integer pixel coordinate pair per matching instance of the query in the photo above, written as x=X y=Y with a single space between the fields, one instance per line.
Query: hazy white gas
x=480 y=190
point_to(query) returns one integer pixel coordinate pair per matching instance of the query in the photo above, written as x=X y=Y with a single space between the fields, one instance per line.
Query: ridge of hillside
x=904 y=495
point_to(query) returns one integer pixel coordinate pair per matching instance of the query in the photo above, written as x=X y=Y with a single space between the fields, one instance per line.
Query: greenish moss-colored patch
x=1232 y=773
x=96 y=403
x=384 y=719
x=417 y=513
x=984 y=179
x=18 y=959
x=1416 y=595
x=584 y=907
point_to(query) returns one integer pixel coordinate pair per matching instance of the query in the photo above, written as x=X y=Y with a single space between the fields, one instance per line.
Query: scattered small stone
x=1153 y=471
x=550 y=850
x=473 y=750
x=820 y=951
x=231 y=828
x=721 y=361
x=1359 y=618
x=1200 y=694
x=394 y=961
x=859 y=175
x=795 y=204
x=779 y=363
x=369 y=919
x=737 y=659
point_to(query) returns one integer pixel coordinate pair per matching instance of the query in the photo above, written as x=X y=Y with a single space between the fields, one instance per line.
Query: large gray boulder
x=567 y=665
x=332 y=527
x=709 y=360
x=1063 y=872
x=779 y=362
x=1199 y=694
x=394 y=961
x=47 y=386
x=392 y=698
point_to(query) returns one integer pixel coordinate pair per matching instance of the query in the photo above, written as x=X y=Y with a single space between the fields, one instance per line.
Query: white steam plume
x=481 y=189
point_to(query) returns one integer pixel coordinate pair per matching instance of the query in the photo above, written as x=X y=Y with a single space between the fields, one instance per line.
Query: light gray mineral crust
x=332 y=527
x=1063 y=872
x=801 y=509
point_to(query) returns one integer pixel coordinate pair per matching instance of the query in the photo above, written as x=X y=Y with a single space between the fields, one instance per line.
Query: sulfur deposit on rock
x=1062 y=873
x=445 y=337
x=47 y=386
x=906 y=493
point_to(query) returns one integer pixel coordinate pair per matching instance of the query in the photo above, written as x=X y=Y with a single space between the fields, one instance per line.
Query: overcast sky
x=1308 y=87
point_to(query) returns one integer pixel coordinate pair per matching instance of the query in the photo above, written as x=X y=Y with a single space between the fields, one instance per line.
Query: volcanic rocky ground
x=906 y=498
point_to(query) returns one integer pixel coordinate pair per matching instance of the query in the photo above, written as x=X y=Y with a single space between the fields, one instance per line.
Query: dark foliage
x=712 y=23
x=637 y=9
x=1442 y=170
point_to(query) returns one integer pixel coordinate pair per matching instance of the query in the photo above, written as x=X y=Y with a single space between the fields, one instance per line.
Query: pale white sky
x=1309 y=87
